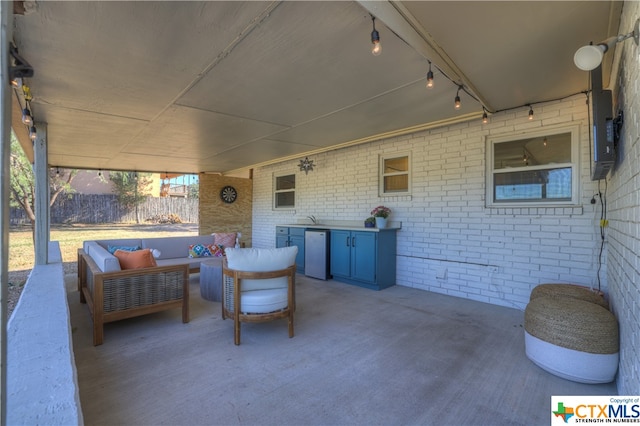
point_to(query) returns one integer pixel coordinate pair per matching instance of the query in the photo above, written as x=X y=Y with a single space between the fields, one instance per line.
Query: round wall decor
x=228 y=194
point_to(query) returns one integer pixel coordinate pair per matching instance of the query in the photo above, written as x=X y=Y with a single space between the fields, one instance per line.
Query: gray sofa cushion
x=175 y=247
x=105 y=260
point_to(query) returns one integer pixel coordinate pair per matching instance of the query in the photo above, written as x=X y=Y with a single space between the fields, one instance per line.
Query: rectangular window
x=536 y=168
x=284 y=192
x=395 y=174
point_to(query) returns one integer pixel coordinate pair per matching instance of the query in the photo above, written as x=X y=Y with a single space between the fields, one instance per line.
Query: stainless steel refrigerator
x=316 y=254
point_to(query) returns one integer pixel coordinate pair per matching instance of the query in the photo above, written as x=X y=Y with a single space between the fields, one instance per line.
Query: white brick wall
x=450 y=243
x=624 y=212
x=491 y=255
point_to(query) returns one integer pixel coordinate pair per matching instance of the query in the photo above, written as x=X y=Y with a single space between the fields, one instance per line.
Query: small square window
x=395 y=174
x=284 y=196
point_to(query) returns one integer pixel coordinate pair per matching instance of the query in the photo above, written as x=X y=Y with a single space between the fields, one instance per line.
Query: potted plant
x=370 y=222
x=381 y=213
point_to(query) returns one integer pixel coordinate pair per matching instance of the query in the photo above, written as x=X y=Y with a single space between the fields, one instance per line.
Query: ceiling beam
x=399 y=20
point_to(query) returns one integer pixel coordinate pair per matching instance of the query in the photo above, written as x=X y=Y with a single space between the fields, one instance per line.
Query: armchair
x=258 y=285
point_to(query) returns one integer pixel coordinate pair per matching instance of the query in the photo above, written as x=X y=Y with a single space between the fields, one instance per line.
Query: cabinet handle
x=353 y=241
x=347 y=241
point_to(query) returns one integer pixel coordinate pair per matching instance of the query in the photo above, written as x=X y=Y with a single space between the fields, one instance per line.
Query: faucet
x=313 y=219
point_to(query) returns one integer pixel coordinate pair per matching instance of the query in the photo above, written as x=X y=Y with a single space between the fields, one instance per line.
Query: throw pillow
x=225 y=239
x=112 y=249
x=203 y=250
x=135 y=259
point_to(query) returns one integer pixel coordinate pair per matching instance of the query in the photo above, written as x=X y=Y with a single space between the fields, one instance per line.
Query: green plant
x=370 y=219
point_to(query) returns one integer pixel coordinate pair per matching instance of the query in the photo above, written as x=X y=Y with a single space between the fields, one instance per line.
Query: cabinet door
x=341 y=253
x=295 y=240
x=282 y=240
x=363 y=256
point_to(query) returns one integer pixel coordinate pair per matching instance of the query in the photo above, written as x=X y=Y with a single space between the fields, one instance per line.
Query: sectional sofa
x=113 y=293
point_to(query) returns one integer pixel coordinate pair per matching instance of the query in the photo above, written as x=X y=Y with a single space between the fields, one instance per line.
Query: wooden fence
x=105 y=208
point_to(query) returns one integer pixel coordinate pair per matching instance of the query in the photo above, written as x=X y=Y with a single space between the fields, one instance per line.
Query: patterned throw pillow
x=204 y=250
x=112 y=249
x=225 y=239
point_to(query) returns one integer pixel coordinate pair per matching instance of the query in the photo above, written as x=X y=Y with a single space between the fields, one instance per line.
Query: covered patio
x=398 y=356
x=240 y=92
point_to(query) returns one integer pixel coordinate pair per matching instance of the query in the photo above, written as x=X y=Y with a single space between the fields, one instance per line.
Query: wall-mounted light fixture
x=375 y=39
x=306 y=165
x=588 y=58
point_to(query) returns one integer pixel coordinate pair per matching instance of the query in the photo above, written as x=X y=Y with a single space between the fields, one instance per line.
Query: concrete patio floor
x=398 y=356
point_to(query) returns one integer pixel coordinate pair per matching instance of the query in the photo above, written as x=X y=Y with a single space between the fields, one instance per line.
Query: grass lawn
x=21 y=255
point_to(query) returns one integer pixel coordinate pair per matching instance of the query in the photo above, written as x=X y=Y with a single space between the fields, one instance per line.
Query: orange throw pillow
x=135 y=259
x=225 y=239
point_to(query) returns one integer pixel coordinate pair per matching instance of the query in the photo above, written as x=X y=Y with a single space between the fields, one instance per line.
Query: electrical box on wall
x=603 y=155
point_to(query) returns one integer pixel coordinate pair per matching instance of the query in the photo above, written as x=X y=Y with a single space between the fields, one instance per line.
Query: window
x=284 y=192
x=537 y=168
x=395 y=177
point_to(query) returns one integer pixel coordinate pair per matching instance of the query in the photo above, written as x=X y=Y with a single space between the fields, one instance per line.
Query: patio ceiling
x=224 y=86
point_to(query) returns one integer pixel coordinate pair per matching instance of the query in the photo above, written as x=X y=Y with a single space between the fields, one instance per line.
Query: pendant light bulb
x=26 y=116
x=485 y=117
x=456 y=101
x=429 y=78
x=375 y=39
x=32 y=133
x=16 y=82
x=530 y=112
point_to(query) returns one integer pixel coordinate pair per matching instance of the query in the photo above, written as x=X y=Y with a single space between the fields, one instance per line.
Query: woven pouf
x=572 y=339
x=569 y=290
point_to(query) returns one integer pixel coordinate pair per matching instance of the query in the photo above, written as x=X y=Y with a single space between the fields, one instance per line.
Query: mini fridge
x=316 y=254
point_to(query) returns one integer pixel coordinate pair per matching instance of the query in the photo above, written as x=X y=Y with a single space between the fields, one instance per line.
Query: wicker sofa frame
x=113 y=296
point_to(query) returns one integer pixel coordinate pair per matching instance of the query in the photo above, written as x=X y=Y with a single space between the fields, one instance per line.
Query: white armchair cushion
x=261 y=260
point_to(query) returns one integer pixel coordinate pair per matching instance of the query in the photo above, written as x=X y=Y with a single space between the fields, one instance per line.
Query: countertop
x=343 y=225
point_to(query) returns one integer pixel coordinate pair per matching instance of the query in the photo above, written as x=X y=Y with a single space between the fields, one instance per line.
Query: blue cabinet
x=366 y=259
x=286 y=237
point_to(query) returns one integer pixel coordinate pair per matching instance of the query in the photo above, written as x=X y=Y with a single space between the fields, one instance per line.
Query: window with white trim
x=284 y=191
x=395 y=174
x=539 y=168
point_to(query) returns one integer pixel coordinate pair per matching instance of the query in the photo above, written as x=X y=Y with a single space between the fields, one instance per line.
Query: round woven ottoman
x=572 y=339
x=569 y=290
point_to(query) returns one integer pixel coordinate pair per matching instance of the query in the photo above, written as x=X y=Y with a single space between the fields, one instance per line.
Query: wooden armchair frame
x=232 y=288
x=112 y=296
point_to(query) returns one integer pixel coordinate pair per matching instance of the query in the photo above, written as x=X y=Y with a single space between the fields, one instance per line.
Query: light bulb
x=530 y=113
x=377 y=47
x=430 y=79
x=485 y=117
x=26 y=116
x=32 y=133
x=457 y=102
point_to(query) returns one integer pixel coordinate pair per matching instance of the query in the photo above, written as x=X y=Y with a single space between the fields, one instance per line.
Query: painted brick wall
x=450 y=242
x=624 y=211
x=218 y=216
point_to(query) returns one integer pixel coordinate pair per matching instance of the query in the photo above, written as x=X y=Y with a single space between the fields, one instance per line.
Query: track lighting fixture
x=456 y=101
x=32 y=133
x=485 y=117
x=429 y=77
x=589 y=57
x=530 y=112
x=375 y=39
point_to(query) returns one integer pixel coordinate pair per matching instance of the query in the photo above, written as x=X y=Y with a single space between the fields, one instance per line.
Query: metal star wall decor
x=306 y=165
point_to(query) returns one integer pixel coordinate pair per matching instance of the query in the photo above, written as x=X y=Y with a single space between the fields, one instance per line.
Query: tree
x=22 y=182
x=132 y=188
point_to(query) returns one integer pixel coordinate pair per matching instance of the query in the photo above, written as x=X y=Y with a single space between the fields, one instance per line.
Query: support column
x=41 y=207
x=5 y=152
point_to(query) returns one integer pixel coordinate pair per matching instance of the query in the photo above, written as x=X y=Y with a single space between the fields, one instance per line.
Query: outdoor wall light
x=375 y=39
x=589 y=57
